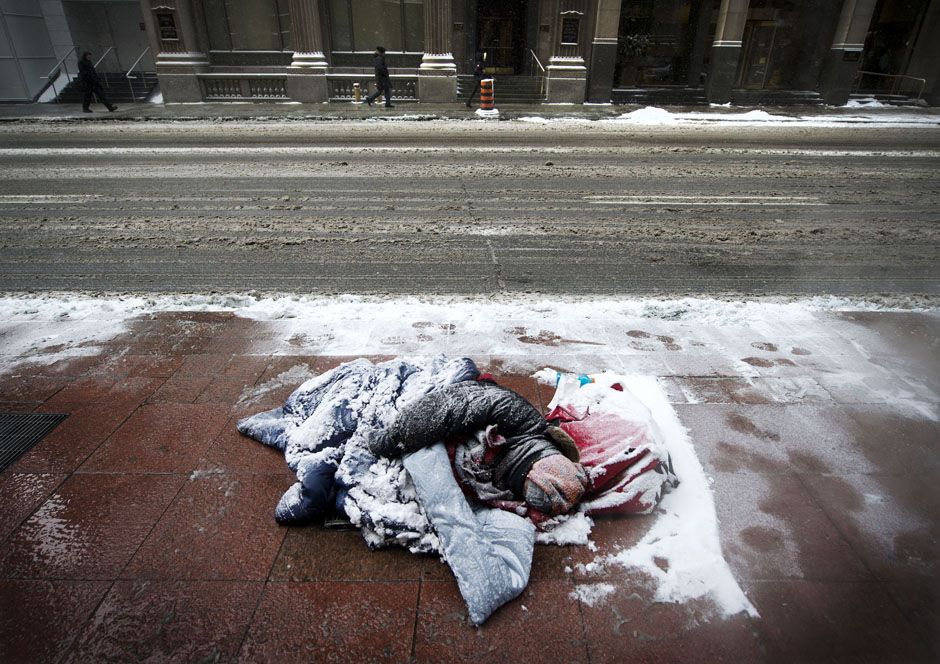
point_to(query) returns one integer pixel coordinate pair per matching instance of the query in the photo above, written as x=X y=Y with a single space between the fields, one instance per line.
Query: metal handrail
x=59 y=63
x=107 y=82
x=57 y=70
x=896 y=86
x=110 y=48
x=536 y=58
x=128 y=76
x=542 y=77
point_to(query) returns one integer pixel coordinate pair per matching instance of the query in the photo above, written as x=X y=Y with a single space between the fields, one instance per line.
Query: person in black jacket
x=90 y=81
x=539 y=463
x=383 y=83
x=478 y=67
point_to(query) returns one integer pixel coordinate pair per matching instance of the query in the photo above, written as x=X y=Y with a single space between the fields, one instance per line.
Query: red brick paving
x=89 y=527
x=219 y=526
x=203 y=621
x=21 y=494
x=41 y=619
x=159 y=438
x=663 y=632
x=333 y=621
x=142 y=527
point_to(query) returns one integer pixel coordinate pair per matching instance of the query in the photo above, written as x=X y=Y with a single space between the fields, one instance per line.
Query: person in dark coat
x=478 y=67
x=539 y=464
x=383 y=83
x=92 y=84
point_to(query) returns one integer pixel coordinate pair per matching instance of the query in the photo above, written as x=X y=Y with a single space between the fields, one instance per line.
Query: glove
x=554 y=485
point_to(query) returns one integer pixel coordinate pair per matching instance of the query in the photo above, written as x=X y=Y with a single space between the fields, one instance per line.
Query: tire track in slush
x=543 y=214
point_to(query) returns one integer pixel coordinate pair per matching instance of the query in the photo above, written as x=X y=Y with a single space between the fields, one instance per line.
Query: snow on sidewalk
x=790 y=351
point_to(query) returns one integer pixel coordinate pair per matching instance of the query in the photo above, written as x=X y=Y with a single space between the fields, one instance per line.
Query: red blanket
x=629 y=471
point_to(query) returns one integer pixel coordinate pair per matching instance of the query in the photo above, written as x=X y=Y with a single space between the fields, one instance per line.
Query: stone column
x=180 y=43
x=604 y=51
x=306 y=76
x=437 y=75
x=841 y=64
x=566 y=74
x=726 y=50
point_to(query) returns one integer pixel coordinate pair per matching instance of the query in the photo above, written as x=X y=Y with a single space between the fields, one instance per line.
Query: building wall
x=26 y=51
x=784 y=45
x=925 y=54
x=98 y=26
x=58 y=27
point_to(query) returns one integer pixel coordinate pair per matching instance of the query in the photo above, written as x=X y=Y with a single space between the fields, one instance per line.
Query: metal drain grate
x=20 y=431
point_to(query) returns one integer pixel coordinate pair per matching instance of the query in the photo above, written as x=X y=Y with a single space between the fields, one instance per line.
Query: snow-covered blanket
x=488 y=549
x=622 y=448
x=324 y=429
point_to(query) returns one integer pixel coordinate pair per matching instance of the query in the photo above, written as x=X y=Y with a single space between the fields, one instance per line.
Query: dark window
x=361 y=25
x=893 y=31
x=784 y=44
x=167 y=26
x=663 y=42
x=248 y=25
x=569 y=30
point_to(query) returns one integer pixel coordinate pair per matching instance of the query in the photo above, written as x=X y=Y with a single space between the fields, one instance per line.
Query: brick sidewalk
x=143 y=525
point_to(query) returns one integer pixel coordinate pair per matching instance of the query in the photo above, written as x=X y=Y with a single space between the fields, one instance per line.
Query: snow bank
x=869 y=102
x=651 y=116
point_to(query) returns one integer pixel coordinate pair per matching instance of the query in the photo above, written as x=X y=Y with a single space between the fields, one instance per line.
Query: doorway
x=501 y=35
x=756 y=55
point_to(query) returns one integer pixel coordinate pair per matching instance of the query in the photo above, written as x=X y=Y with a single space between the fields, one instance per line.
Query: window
x=361 y=25
x=660 y=42
x=570 y=27
x=248 y=25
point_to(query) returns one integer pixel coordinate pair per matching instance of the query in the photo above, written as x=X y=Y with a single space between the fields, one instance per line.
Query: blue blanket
x=324 y=430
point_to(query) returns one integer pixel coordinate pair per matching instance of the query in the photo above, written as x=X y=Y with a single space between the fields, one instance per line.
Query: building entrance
x=757 y=52
x=501 y=35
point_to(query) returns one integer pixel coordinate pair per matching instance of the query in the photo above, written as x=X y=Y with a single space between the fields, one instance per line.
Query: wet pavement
x=142 y=526
x=451 y=207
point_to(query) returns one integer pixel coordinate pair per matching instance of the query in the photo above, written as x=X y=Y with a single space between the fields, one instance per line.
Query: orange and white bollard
x=486 y=94
x=487 y=99
x=357 y=93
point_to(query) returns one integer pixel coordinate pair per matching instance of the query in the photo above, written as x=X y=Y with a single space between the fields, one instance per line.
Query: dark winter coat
x=87 y=74
x=464 y=408
x=381 y=70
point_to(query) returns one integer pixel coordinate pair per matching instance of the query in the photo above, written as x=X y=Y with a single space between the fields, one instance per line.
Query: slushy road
x=469 y=208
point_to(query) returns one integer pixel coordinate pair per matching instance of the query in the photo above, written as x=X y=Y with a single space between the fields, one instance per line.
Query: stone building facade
x=583 y=50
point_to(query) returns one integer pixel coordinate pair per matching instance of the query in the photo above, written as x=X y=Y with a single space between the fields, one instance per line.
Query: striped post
x=486 y=94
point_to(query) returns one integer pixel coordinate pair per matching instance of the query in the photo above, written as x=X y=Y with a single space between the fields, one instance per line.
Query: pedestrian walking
x=383 y=83
x=88 y=77
x=478 y=66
